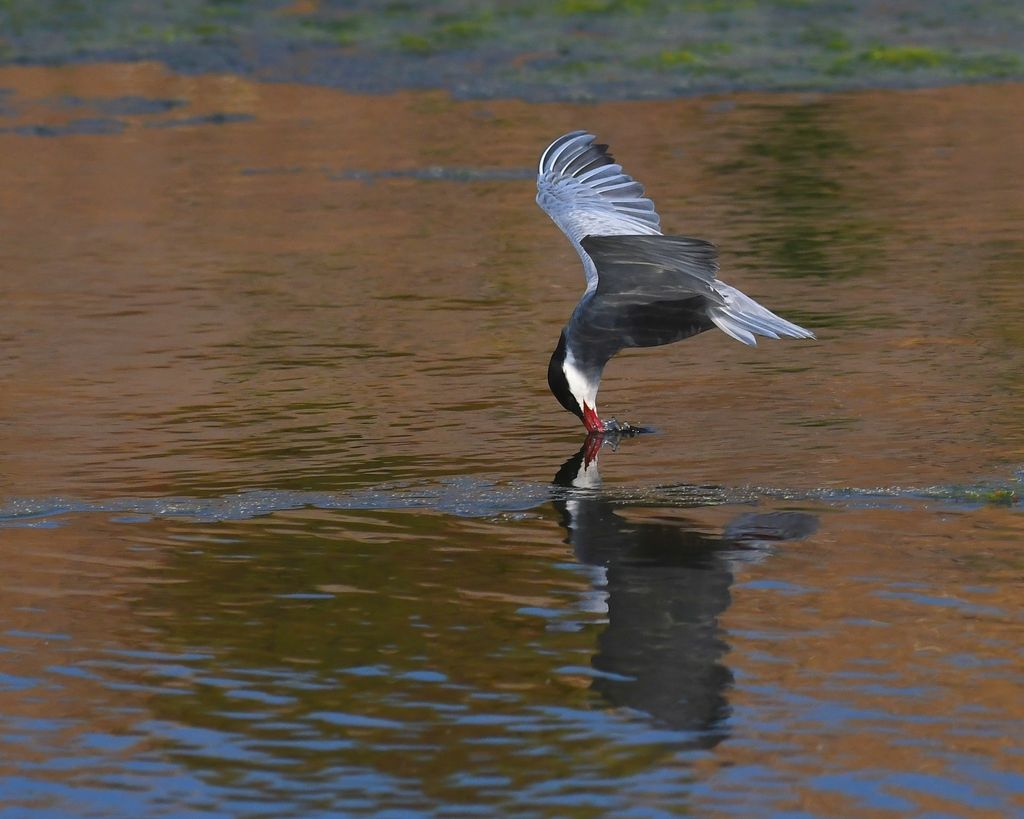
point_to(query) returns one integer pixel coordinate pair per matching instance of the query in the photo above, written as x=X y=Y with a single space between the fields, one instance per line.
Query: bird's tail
x=741 y=317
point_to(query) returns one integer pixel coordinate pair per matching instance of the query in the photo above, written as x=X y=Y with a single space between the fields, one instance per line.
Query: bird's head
x=572 y=388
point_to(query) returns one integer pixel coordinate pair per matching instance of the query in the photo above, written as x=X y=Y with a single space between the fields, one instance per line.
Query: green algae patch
x=991 y=66
x=697 y=56
x=446 y=32
x=898 y=58
x=914 y=58
x=828 y=39
x=1000 y=497
x=991 y=496
x=344 y=31
x=416 y=44
x=906 y=58
x=573 y=7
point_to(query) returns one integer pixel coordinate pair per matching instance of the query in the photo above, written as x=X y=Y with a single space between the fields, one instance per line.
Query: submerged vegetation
x=568 y=48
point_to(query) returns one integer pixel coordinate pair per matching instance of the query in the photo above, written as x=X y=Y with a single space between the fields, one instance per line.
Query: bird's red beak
x=591 y=421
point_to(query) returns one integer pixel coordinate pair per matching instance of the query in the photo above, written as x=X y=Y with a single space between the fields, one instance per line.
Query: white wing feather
x=586 y=193
x=742 y=318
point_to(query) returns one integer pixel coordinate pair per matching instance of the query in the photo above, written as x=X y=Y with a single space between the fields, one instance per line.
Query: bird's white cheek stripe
x=583 y=390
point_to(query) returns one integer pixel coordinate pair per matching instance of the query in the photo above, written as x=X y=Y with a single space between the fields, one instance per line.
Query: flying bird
x=644 y=289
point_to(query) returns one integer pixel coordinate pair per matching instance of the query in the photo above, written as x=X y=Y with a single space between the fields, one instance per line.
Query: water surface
x=287 y=518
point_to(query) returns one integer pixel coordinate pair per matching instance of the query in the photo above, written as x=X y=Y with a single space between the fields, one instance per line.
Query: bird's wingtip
x=551 y=153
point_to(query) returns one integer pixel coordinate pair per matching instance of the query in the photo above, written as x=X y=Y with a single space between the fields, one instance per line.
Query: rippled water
x=286 y=511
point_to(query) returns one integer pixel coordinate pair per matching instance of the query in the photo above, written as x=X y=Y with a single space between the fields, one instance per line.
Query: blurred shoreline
x=579 y=50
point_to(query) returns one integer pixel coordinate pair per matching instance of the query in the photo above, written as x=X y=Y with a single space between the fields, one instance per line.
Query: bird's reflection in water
x=665 y=586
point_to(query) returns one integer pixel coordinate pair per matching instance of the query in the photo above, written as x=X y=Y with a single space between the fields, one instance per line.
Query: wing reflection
x=666 y=585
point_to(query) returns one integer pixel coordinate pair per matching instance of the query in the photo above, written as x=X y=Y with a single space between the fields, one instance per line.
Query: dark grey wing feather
x=653 y=271
x=656 y=266
x=651 y=290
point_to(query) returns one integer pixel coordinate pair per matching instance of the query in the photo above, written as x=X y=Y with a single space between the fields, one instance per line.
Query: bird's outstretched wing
x=586 y=193
x=658 y=289
x=655 y=268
